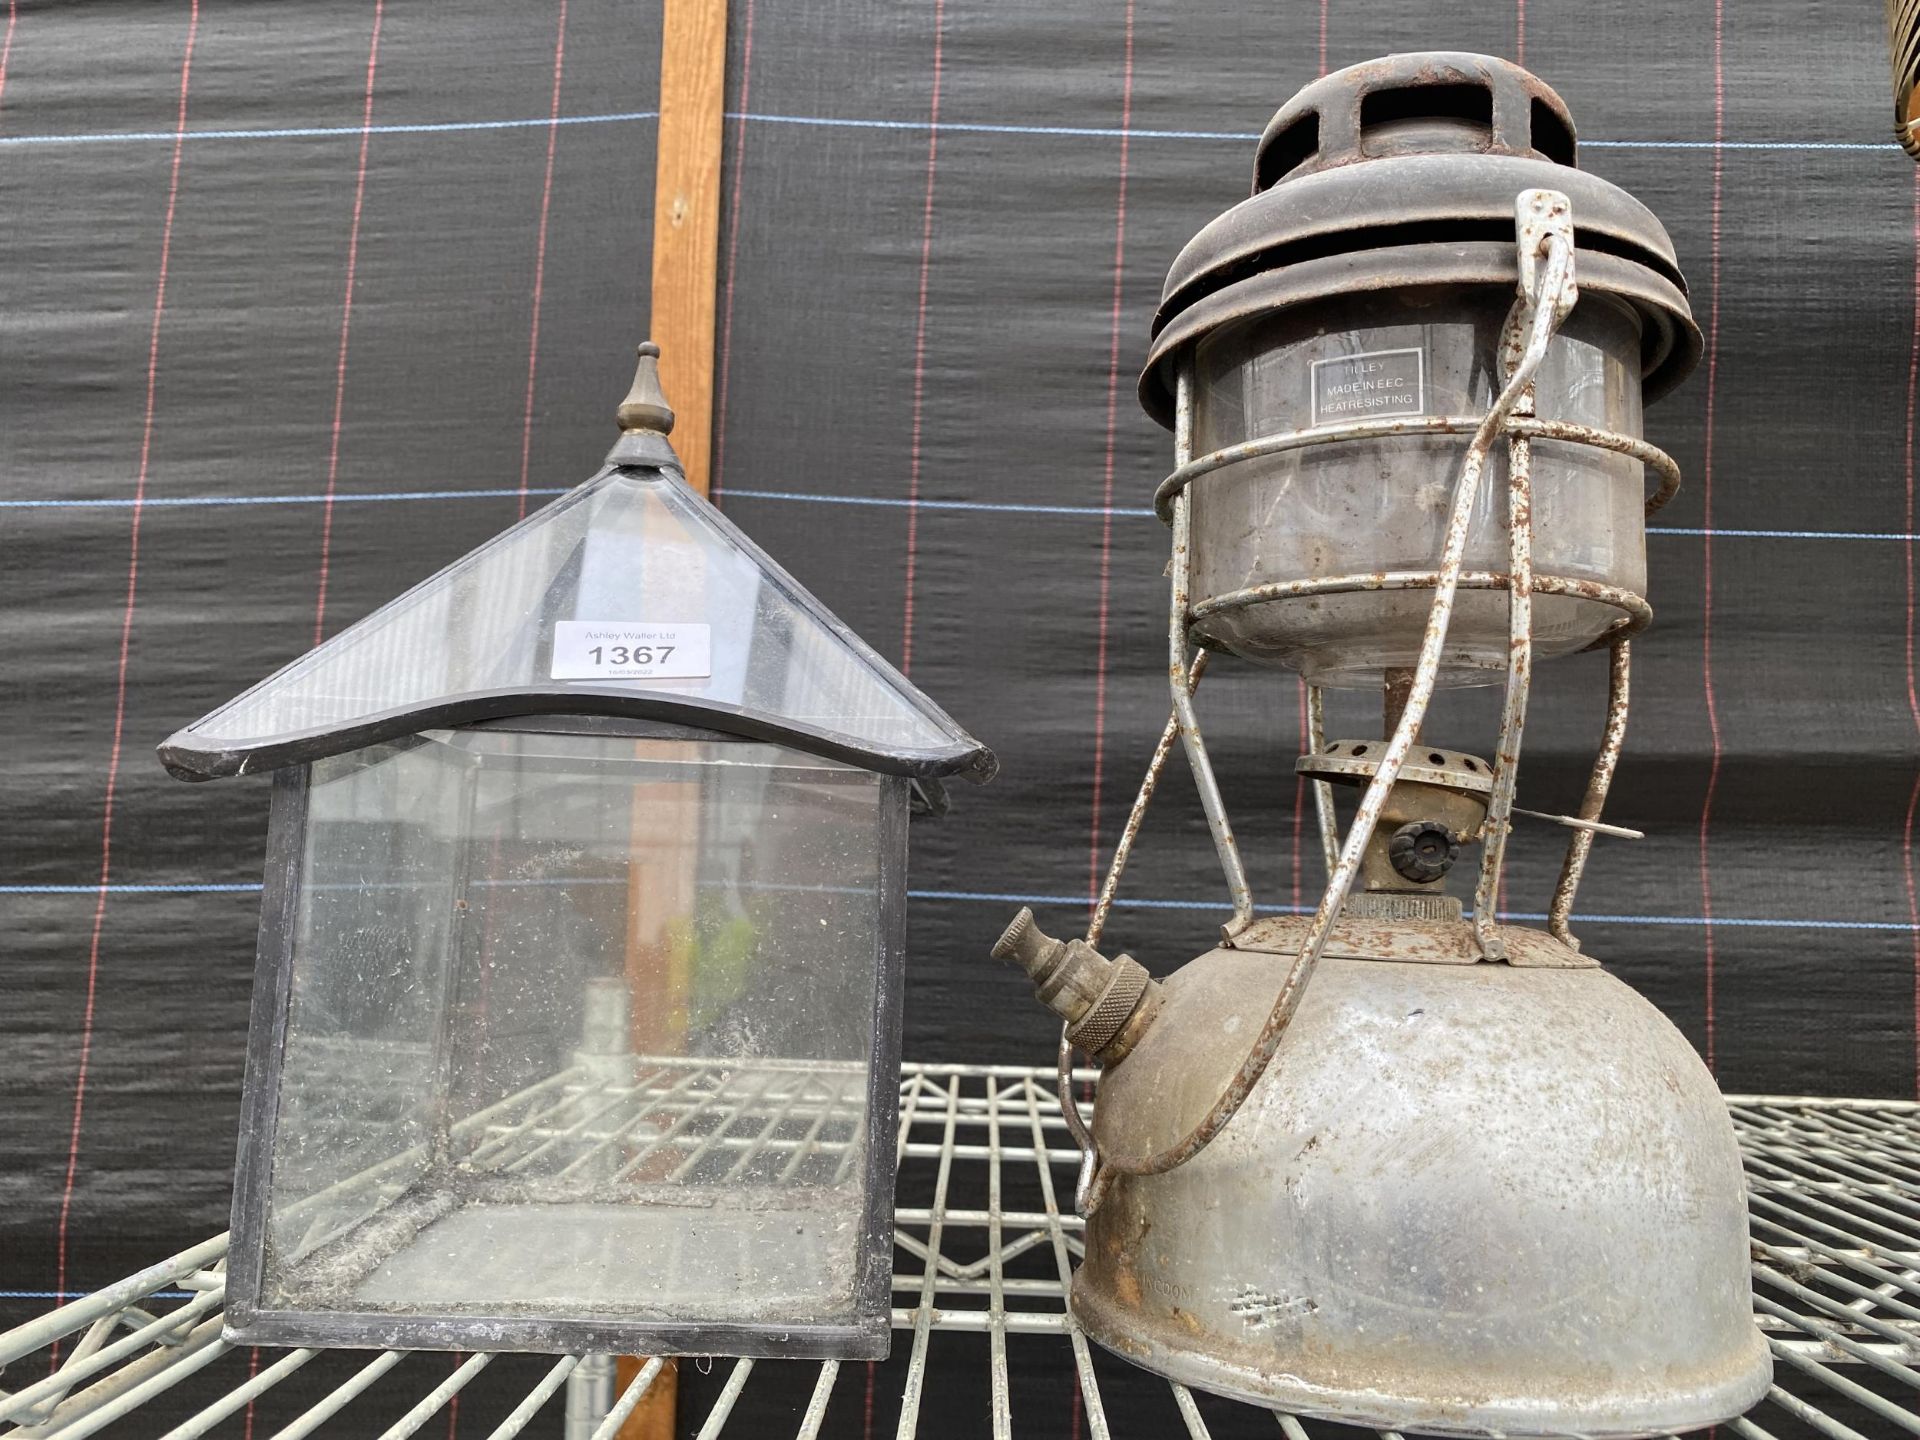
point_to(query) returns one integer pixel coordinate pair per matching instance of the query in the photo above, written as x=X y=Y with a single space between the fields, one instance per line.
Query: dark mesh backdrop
x=288 y=320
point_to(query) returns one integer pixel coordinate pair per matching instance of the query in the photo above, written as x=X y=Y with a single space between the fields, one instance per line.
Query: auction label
x=1366 y=387
x=618 y=650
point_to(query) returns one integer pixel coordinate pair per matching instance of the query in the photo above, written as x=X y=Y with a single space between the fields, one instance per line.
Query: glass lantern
x=1381 y=504
x=577 y=1017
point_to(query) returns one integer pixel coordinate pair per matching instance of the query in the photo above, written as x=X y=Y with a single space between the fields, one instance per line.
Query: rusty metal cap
x=1401 y=172
x=1419 y=103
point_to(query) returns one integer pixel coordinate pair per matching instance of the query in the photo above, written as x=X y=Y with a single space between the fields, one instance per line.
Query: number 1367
x=623 y=655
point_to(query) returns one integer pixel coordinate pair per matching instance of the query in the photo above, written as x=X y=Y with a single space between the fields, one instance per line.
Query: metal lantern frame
x=1547 y=292
x=678 y=1088
x=823 y=693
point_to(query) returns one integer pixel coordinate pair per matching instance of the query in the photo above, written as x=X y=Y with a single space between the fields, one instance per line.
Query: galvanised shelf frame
x=985 y=1239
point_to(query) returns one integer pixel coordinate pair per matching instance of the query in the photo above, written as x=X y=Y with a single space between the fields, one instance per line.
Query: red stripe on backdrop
x=733 y=255
x=120 y=673
x=346 y=327
x=920 y=345
x=540 y=248
x=1106 y=521
x=1106 y=494
x=339 y=401
x=1519 y=32
x=253 y=1369
x=1913 y=692
x=1706 y=506
x=1323 y=36
x=919 y=394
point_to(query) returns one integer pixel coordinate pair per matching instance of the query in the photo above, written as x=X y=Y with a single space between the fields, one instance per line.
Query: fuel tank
x=1465 y=1199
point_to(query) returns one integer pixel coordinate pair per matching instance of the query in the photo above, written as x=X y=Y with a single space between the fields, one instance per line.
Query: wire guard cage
x=985 y=1240
x=1547 y=293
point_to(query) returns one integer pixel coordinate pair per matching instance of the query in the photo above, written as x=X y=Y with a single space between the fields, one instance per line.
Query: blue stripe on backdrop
x=83 y=1289
x=219 y=887
x=838 y=122
x=1008 y=507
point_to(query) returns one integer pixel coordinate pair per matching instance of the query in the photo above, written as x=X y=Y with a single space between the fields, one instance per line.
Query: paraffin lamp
x=576 y=1022
x=1395 y=1164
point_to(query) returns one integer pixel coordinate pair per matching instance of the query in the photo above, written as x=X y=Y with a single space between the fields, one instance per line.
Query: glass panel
x=581 y=1026
x=1358 y=506
x=630 y=584
x=376 y=912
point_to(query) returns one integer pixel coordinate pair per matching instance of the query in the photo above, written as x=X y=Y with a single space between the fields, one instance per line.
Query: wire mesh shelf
x=985 y=1243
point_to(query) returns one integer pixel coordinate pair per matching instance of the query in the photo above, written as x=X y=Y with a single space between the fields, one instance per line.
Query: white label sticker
x=618 y=650
x=1368 y=386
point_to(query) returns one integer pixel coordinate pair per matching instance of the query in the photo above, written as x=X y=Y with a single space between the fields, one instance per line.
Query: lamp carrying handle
x=1546 y=259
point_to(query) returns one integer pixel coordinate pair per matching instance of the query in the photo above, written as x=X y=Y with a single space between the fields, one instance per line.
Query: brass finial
x=645 y=407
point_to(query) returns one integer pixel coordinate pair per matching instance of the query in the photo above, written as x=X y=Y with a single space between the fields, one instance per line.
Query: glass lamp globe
x=1362 y=288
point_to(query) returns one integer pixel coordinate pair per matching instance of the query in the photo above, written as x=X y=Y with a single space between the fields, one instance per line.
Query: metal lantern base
x=1107 y=1323
x=1466 y=1199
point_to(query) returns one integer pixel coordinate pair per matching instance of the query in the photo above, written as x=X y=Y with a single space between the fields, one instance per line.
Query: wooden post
x=686 y=269
x=686 y=220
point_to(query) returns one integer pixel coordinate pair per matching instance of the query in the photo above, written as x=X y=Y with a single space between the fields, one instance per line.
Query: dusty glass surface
x=631 y=585
x=580 y=1026
x=1358 y=506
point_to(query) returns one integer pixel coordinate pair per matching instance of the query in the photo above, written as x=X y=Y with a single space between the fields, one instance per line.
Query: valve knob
x=1107 y=1004
x=1023 y=942
x=1423 y=851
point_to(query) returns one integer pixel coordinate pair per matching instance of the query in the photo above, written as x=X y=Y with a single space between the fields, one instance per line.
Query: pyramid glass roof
x=629 y=595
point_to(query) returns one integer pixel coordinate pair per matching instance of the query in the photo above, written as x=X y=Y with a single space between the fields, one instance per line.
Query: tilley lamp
x=576 y=1023
x=1394 y=1163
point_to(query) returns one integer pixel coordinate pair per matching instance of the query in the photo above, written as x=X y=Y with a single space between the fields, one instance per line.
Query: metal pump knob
x=1106 y=1003
x=1423 y=851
